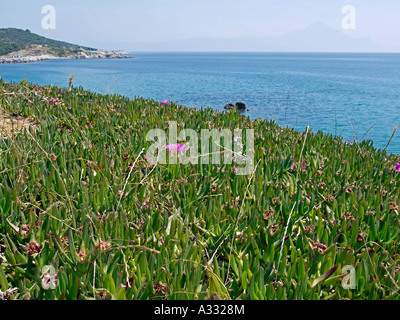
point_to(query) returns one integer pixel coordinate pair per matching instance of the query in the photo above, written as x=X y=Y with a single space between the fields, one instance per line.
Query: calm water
x=294 y=89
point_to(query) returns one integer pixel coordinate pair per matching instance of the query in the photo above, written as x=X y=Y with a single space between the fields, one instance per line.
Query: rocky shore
x=40 y=53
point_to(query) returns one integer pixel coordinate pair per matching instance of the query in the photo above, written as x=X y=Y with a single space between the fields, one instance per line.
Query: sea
x=352 y=95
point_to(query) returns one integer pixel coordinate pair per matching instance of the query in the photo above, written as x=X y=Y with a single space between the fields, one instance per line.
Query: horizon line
x=308 y=52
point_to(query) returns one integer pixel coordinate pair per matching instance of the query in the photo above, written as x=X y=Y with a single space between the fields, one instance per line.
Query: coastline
x=320 y=95
x=28 y=56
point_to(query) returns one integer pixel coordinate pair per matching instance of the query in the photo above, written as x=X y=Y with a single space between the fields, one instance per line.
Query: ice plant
x=52 y=100
x=103 y=245
x=178 y=147
x=181 y=147
x=165 y=102
x=146 y=204
x=238 y=141
x=24 y=230
x=49 y=278
x=134 y=221
x=82 y=255
x=32 y=248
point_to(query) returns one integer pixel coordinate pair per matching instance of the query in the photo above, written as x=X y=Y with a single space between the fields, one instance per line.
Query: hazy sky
x=120 y=23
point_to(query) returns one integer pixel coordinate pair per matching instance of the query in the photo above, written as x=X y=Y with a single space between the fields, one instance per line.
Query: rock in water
x=229 y=106
x=240 y=105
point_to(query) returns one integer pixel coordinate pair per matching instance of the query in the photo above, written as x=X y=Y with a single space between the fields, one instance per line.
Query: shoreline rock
x=16 y=57
x=229 y=106
x=240 y=105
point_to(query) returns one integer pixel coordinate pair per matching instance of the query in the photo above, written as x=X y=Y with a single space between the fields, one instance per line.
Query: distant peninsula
x=21 y=46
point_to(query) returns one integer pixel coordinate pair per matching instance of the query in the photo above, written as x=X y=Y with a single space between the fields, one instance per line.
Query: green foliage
x=12 y=39
x=187 y=231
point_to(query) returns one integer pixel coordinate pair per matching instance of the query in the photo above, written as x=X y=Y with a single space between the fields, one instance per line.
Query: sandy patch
x=10 y=124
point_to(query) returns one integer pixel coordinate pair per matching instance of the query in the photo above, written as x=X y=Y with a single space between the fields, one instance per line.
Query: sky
x=120 y=24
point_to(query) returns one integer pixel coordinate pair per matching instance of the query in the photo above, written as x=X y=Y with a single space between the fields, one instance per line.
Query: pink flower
x=292 y=166
x=181 y=147
x=281 y=129
x=397 y=167
x=52 y=100
x=165 y=102
x=36 y=88
x=177 y=147
x=304 y=166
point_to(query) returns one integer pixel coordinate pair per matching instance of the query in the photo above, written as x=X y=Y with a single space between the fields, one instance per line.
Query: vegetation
x=77 y=194
x=12 y=39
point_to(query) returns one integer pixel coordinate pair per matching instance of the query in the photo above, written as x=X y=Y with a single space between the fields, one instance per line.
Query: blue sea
x=331 y=92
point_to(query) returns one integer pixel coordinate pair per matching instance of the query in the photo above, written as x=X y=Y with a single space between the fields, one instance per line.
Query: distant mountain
x=18 y=45
x=315 y=38
x=319 y=37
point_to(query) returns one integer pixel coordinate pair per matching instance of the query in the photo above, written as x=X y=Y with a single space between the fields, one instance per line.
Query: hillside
x=12 y=40
x=77 y=193
x=18 y=45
